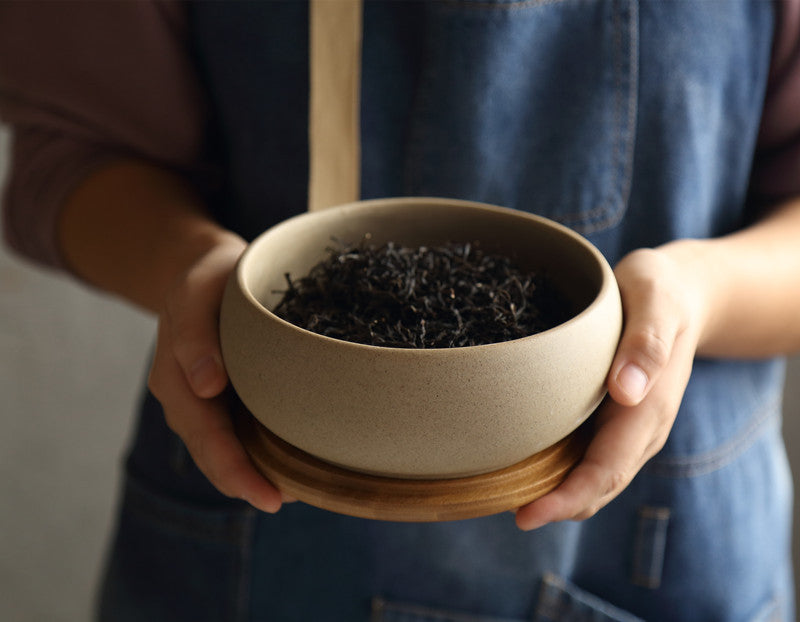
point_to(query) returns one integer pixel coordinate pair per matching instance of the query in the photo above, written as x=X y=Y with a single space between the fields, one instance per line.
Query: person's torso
x=632 y=122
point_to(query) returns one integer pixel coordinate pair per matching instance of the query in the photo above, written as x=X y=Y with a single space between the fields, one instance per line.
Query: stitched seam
x=631 y=115
x=619 y=137
x=499 y=6
x=625 y=129
x=701 y=464
x=549 y=604
x=651 y=535
x=243 y=587
x=554 y=607
x=771 y=612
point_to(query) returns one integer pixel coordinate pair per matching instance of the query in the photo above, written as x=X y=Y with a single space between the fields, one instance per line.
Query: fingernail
x=633 y=381
x=536 y=524
x=269 y=508
x=203 y=374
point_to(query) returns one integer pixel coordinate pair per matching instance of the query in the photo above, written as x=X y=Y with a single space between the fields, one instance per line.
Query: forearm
x=142 y=233
x=132 y=229
x=748 y=286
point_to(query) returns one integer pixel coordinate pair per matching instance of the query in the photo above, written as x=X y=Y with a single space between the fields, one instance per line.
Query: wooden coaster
x=340 y=490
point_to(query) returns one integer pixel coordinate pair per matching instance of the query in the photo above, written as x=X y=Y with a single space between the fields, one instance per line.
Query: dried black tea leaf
x=446 y=296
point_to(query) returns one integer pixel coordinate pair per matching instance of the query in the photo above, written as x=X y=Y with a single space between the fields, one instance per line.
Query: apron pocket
x=176 y=561
x=560 y=601
x=508 y=110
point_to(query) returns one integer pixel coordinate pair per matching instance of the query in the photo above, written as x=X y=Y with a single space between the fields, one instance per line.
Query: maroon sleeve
x=82 y=83
x=776 y=175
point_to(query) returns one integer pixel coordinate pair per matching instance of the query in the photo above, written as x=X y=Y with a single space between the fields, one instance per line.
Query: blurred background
x=72 y=363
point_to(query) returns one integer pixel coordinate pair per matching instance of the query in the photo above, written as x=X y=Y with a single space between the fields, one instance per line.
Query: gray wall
x=71 y=363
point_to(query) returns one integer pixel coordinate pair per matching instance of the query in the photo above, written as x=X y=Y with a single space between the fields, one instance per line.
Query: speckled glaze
x=435 y=413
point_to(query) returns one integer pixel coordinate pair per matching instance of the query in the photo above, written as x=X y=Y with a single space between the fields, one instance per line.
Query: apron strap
x=335 y=74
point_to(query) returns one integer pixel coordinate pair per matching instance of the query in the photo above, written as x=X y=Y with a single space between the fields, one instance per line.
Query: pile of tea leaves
x=448 y=296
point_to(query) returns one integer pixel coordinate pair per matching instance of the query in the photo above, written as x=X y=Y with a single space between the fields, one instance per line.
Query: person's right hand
x=188 y=378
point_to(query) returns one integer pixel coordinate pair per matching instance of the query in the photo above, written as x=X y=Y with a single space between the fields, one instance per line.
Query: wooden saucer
x=340 y=490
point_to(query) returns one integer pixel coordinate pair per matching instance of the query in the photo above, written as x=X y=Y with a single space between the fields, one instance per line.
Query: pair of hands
x=664 y=310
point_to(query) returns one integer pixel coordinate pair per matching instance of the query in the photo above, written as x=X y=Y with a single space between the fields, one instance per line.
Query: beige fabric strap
x=334 y=139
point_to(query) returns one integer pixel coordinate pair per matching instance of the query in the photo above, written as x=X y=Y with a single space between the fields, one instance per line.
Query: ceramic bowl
x=420 y=413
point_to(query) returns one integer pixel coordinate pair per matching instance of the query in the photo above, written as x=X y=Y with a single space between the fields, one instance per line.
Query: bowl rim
x=607 y=286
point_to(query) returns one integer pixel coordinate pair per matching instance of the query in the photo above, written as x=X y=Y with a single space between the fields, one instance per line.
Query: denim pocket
x=176 y=561
x=509 y=110
x=561 y=601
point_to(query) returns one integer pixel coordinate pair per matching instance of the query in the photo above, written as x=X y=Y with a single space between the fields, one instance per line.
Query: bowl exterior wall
x=418 y=413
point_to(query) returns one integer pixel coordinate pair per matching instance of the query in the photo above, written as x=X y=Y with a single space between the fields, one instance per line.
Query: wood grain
x=340 y=490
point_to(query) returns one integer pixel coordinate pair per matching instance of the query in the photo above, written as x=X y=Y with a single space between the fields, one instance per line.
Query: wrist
x=198 y=242
x=132 y=229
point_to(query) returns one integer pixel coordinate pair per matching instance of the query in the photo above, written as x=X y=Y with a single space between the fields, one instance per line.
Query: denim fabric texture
x=632 y=122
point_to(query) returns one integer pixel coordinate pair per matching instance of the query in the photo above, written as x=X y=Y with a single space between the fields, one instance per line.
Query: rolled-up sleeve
x=82 y=83
x=776 y=174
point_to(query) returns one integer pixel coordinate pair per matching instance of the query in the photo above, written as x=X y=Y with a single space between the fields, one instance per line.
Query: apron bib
x=631 y=122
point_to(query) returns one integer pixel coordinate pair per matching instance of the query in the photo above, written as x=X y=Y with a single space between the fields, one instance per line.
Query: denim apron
x=633 y=123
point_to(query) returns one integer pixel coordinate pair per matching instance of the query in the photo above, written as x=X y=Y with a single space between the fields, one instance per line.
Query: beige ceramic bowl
x=411 y=413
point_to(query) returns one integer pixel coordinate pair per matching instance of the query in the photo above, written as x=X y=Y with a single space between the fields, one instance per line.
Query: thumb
x=191 y=321
x=652 y=323
x=195 y=345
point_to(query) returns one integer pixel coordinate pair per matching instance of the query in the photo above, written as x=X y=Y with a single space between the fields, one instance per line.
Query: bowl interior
x=534 y=243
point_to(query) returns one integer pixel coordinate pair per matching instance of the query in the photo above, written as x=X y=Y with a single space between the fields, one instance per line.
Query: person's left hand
x=188 y=377
x=664 y=310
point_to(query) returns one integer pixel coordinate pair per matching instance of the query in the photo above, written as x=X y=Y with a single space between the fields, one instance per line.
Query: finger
x=196 y=348
x=193 y=320
x=625 y=438
x=206 y=429
x=653 y=321
x=614 y=456
x=215 y=448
